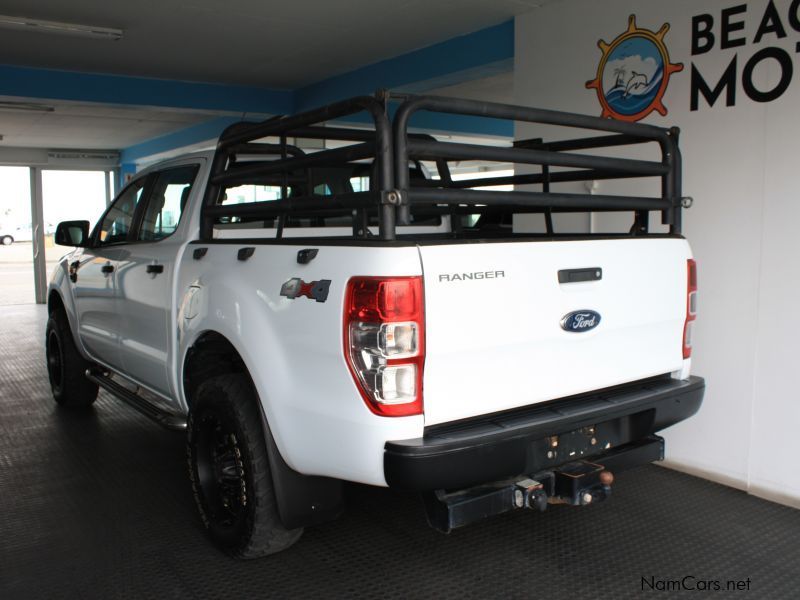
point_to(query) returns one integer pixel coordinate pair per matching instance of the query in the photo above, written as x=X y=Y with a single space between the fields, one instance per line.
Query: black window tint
x=117 y=222
x=167 y=202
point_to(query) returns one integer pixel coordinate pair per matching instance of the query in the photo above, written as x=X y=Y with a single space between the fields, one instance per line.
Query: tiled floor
x=96 y=504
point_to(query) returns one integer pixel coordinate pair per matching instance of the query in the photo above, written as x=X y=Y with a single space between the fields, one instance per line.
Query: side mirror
x=73 y=233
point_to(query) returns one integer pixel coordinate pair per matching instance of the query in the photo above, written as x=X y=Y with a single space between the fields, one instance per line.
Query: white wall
x=741 y=166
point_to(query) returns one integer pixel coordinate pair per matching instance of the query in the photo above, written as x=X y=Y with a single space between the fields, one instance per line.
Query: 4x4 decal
x=316 y=290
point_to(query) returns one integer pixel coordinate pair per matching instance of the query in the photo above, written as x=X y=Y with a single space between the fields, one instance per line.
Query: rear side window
x=323 y=182
x=167 y=202
x=249 y=192
x=118 y=220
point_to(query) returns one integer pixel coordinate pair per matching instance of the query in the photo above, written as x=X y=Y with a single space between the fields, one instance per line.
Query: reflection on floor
x=97 y=505
x=16 y=272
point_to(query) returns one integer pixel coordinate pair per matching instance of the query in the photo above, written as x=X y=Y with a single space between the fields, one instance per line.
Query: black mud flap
x=303 y=500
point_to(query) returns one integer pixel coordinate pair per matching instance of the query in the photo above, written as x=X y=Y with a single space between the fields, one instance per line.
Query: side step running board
x=163 y=417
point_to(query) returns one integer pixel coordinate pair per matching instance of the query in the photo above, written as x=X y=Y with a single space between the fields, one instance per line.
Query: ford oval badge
x=580 y=320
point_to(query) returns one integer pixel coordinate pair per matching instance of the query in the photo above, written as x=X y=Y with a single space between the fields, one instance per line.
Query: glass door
x=70 y=196
x=16 y=237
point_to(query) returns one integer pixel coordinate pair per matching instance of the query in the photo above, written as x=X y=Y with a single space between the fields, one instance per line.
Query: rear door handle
x=578 y=275
x=109 y=268
x=155 y=269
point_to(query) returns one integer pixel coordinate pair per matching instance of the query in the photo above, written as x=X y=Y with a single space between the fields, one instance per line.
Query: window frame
x=144 y=203
x=150 y=179
x=147 y=185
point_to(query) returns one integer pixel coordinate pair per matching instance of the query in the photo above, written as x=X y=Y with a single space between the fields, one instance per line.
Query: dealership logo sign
x=726 y=32
x=633 y=73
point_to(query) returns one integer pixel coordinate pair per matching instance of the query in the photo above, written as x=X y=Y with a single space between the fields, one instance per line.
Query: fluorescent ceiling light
x=91 y=31
x=77 y=154
x=31 y=106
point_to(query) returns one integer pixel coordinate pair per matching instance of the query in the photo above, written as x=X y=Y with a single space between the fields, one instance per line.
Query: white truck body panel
x=496 y=343
x=146 y=301
x=293 y=349
x=296 y=232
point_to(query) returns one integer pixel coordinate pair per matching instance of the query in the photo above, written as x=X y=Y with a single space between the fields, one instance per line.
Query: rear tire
x=7 y=240
x=229 y=470
x=65 y=365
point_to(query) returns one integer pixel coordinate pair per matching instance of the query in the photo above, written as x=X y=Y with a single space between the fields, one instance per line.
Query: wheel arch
x=302 y=499
x=55 y=302
x=209 y=355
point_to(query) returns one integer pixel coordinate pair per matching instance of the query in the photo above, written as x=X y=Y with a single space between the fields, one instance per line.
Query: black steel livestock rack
x=389 y=151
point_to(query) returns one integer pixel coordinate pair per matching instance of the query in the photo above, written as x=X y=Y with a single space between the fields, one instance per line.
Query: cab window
x=167 y=202
x=244 y=194
x=118 y=220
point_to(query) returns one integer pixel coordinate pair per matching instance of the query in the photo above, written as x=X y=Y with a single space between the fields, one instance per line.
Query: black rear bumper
x=539 y=437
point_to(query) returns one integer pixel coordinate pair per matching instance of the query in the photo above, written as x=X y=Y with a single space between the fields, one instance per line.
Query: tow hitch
x=577 y=483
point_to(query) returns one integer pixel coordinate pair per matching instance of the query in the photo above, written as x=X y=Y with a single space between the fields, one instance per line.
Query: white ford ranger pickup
x=315 y=304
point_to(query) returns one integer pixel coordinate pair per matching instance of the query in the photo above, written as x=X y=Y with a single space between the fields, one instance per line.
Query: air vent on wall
x=62 y=155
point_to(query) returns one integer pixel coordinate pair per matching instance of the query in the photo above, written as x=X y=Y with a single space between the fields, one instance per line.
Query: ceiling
x=94 y=126
x=247 y=42
x=271 y=43
x=498 y=88
x=89 y=126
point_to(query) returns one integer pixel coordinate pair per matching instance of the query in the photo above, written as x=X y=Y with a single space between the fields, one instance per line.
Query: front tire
x=6 y=240
x=229 y=470
x=66 y=368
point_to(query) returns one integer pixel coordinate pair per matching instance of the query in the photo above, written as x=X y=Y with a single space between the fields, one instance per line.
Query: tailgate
x=494 y=314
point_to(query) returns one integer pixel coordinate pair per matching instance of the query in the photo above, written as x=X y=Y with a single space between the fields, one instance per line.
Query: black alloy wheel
x=66 y=368
x=229 y=469
x=220 y=470
x=55 y=362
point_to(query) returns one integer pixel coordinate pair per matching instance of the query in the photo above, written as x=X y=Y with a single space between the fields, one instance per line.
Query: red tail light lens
x=691 y=307
x=384 y=342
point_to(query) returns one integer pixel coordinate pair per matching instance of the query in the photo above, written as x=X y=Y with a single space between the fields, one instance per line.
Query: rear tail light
x=691 y=307
x=384 y=342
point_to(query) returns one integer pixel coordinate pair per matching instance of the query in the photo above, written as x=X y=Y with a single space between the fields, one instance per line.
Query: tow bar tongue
x=580 y=483
x=576 y=483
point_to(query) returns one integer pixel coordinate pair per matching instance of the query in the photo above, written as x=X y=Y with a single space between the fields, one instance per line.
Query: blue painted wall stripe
x=491 y=46
x=473 y=56
x=447 y=123
x=208 y=130
x=118 y=89
x=125 y=169
x=480 y=72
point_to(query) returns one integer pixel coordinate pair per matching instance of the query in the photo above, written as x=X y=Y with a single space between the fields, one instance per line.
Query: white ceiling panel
x=90 y=126
x=278 y=44
x=269 y=43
